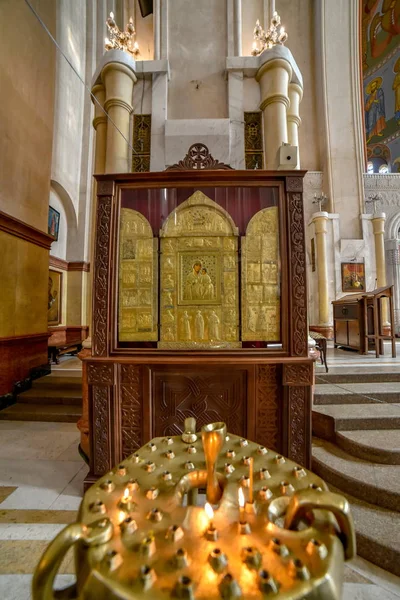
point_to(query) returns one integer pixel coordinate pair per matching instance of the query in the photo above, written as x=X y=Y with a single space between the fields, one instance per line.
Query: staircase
x=55 y=397
x=356 y=450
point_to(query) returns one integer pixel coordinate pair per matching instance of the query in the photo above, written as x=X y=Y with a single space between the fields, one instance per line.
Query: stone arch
x=393 y=227
x=68 y=221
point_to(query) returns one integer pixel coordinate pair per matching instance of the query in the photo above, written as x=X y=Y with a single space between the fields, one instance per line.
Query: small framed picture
x=53 y=223
x=353 y=277
x=54 y=298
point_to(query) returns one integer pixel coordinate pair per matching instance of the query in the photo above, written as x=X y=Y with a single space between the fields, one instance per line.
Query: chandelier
x=121 y=40
x=274 y=35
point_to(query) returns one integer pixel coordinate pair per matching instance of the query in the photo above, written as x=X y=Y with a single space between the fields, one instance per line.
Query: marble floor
x=41 y=478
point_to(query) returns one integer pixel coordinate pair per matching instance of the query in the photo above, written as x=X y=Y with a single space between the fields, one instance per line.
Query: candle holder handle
x=213 y=438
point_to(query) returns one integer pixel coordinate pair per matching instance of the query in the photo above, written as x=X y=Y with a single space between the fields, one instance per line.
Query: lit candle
x=210 y=515
x=251 y=471
x=242 y=518
x=211 y=533
x=126 y=502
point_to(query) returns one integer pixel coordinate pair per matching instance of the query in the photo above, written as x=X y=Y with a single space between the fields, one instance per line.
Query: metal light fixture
x=274 y=35
x=121 y=40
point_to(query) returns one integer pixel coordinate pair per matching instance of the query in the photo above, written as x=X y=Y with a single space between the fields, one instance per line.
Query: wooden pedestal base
x=132 y=400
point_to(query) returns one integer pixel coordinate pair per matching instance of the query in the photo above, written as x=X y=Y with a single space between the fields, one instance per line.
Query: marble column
x=378 y=225
x=293 y=116
x=118 y=81
x=320 y=221
x=157 y=29
x=274 y=77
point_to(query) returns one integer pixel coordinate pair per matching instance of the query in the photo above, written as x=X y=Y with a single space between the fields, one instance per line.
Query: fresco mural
x=381 y=79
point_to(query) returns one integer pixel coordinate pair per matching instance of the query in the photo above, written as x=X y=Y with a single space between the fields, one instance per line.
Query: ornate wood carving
x=101 y=266
x=199 y=158
x=298 y=425
x=294 y=184
x=298 y=374
x=299 y=336
x=267 y=406
x=101 y=414
x=105 y=188
x=131 y=407
x=209 y=397
x=100 y=374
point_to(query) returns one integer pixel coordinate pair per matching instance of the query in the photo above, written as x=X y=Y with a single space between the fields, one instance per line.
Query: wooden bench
x=320 y=344
x=57 y=350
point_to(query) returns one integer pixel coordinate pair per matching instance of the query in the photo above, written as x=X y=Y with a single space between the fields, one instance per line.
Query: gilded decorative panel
x=261 y=278
x=141 y=143
x=253 y=140
x=138 y=274
x=199 y=277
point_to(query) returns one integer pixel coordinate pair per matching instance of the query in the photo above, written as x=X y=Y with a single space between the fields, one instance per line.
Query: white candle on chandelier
x=210 y=514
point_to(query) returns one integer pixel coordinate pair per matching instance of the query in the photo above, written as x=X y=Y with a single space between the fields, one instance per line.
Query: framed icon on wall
x=54 y=298
x=53 y=223
x=353 y=277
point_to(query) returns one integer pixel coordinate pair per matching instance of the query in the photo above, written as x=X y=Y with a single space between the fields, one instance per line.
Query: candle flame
x=126 y=494
x=241 y=498
x=112 y=15
x=209 y=511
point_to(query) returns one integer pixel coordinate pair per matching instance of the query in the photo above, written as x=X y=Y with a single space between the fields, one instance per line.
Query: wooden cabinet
x=348 y=321
x=358 y=321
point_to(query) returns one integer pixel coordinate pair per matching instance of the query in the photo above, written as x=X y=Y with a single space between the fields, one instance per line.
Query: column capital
x=378 y=223
x=274 y=63
x=275 y=98
x=320 y=220
x=117 y=66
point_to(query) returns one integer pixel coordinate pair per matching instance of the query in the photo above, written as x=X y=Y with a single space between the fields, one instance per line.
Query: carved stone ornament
x=198 y=158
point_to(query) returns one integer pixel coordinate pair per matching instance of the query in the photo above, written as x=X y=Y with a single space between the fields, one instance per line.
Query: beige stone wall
x=23 y=299
x=297 y=18
x=27 y=75
x=197 y=56
x=26 y=110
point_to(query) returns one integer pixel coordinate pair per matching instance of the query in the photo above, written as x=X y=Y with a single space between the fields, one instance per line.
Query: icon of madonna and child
x=198 y=284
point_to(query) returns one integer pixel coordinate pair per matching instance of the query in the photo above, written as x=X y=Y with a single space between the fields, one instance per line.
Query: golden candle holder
x=143 y=530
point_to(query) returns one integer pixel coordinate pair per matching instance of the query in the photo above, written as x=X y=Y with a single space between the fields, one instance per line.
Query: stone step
x=50 y=395
x=55 y=381
x=367 y=481
x=356 y=393
x=363 y=375
x=377 y=533
x=41 y=412
x=382 y=446
x=328 y=420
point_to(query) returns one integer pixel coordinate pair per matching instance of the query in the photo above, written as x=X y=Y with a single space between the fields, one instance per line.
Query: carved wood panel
x=131 y=407
x=101 y=432
x=299 y=424
x=101 y=272
x=298 y=374
x=267 y=406
x=299 y=337
x=213 y=395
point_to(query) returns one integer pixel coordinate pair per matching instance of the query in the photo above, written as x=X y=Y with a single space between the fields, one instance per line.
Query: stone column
x=274 y=77
x=378 y=225
x=100 y=126
x=320 y=221
x=118 y=81
x=157 y=29
x=293 y=116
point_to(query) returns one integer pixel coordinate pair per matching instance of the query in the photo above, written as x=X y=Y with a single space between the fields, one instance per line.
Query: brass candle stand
x=143 y=531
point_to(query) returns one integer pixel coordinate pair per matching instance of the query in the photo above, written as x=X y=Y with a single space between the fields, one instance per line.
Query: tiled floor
x=41 y=477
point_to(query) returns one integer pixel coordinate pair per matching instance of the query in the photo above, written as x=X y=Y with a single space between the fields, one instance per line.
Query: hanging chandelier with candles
x=275 y=35
x=121 y=40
